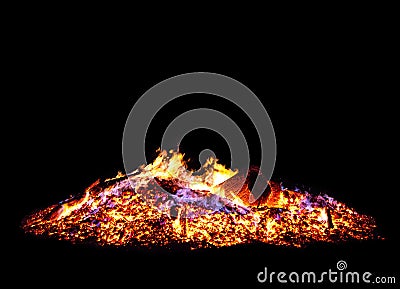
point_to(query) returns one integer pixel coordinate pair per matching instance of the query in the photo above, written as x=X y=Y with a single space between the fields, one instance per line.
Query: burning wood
x=198 y=210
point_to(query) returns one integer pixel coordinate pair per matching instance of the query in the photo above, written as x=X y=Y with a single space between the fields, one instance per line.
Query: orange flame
x=200 y=209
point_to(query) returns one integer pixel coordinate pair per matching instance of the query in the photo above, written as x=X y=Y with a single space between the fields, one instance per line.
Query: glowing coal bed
x=165 y=205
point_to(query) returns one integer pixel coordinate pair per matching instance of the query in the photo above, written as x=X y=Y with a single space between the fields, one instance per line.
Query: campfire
x=164 y=204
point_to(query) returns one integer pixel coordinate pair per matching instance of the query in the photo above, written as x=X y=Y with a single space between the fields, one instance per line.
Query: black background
x=331 y=102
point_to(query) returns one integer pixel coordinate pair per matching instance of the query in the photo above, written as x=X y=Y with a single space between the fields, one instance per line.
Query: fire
x=165 y=204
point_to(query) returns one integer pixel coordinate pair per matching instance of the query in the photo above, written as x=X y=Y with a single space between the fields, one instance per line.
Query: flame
x=174 y=166
x=164 y=204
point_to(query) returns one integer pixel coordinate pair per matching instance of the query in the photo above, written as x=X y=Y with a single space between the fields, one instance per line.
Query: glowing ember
x=199 y=211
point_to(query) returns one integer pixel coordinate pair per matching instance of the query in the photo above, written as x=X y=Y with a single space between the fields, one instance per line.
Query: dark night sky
x=332 y=110
x=331 y=118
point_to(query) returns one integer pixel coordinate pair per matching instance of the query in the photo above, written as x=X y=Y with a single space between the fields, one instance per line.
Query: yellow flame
x=173 y=166
x=118 y=214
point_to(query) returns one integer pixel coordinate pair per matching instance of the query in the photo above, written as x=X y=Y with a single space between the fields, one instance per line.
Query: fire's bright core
x=165 y=205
